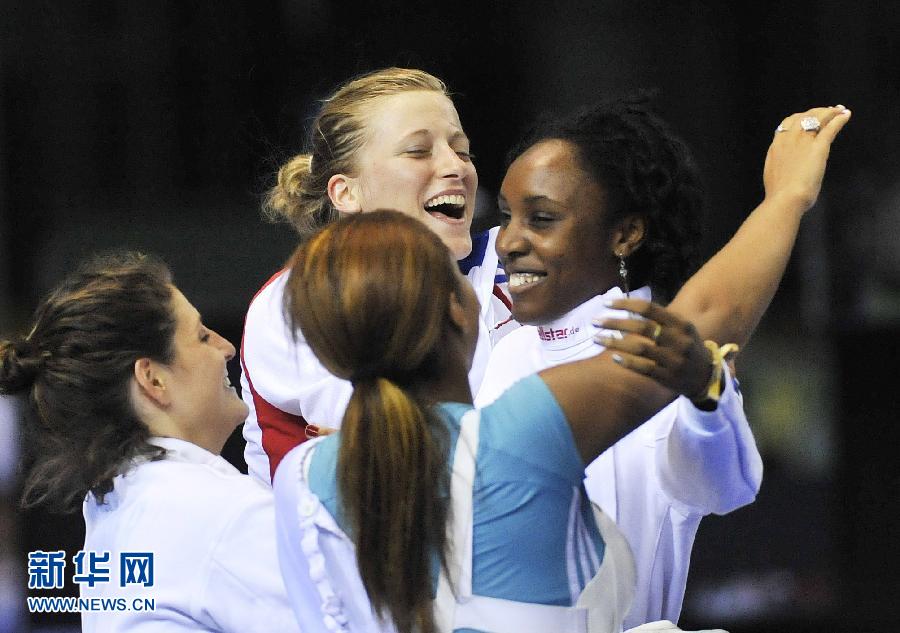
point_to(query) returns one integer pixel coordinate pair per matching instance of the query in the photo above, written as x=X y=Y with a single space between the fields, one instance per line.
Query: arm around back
x=606 y=396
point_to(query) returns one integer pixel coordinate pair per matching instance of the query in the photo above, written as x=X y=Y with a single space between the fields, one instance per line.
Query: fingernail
x=312 y=430
x=839 y=106
x=603 y=340
x=846 y=112
x=617 y=359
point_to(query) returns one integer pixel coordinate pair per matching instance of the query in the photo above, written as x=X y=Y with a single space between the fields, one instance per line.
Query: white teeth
x=517 y=280
x=455 y=200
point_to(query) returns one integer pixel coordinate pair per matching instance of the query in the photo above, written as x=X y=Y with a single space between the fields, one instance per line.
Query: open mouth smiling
x=520 y=281
x=447 y=207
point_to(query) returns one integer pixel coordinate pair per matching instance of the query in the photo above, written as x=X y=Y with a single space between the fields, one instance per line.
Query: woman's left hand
x=795 y=162
x=660 y=345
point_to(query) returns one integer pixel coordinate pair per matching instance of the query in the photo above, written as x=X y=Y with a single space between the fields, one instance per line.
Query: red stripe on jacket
x=281 y=431
x=498 y=292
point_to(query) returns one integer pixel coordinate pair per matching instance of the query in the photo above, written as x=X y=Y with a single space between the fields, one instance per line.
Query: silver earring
x=623 y=273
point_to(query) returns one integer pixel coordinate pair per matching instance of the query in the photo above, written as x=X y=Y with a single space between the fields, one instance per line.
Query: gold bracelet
x=713 y=390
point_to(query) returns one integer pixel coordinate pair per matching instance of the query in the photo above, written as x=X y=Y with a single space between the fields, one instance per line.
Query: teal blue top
x=534 y=535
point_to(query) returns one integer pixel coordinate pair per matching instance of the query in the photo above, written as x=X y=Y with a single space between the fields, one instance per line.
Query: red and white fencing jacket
x=286 y=387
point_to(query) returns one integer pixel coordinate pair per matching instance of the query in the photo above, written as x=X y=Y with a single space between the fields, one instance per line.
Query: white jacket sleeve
x=709 y=462
x=283 y=383
x=283 y=369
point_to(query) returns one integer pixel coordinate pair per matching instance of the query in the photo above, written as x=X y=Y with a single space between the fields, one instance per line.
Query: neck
x=445 y=389
x=207 y=438
x=451 y=382
x=571 y=335
x=451 y=365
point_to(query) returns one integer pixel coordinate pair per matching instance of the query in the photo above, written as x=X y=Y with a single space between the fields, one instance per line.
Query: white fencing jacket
x=211 y=531
x=286 y=387
x=657 y=482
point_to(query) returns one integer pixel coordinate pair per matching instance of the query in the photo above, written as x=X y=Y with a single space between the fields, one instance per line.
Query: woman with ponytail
x=392 y=139
x=422 y=513
x=126 y=406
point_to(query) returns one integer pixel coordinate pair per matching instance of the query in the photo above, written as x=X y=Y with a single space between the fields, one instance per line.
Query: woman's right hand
x=313 y=431
x=795 y=162
x=660 y=345
x=659 y=354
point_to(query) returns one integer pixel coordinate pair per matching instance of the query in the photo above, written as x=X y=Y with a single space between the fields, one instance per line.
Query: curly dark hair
x=75 y=368
x=646 y=170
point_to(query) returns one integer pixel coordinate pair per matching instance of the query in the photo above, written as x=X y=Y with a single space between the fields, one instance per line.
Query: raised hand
x=795 y=162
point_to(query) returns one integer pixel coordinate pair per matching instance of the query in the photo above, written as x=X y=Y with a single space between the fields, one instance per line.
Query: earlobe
x=343 y=193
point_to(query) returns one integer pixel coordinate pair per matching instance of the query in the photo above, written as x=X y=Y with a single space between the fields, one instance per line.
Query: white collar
x=570 y=335
x=179 y=450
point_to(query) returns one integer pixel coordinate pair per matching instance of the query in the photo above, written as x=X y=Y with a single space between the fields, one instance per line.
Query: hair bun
x=284 y=198
x=293 y=174
x=20 y=363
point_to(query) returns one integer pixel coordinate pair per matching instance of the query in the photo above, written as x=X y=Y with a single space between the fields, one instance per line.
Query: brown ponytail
x=392 y=474
x=371 y=295
x=20 y=363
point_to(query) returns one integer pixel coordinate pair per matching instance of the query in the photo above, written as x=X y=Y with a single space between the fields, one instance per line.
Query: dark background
x=158 y=125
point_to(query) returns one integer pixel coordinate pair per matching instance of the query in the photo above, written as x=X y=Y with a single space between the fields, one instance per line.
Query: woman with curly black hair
x=127 y=406
x=607 y=203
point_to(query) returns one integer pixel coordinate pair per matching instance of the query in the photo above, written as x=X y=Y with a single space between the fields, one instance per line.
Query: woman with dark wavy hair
x=606 y=203
x=127 y=406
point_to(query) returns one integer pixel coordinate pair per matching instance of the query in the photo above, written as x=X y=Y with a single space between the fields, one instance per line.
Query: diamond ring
x=810 y=124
